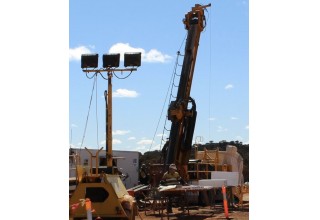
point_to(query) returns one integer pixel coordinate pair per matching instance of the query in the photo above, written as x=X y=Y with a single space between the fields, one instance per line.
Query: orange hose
x=225 y=202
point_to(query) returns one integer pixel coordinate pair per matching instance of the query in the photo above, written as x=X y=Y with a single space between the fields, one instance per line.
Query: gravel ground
x=199 y=213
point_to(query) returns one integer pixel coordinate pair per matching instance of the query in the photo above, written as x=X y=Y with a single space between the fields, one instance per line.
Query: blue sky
x=39 y=102
x=220 y=83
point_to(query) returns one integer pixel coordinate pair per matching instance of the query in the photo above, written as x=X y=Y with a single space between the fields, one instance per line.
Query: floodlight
x=111 y=60
x=89 y=61
x=132 y=59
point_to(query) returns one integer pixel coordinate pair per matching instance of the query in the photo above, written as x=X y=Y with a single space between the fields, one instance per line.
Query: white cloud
x=75 y=53
x=153 y=56
x=161 y=135
x=229 y=86
x=121 y=93
x=131 y=138
x=234 y=118
x=247 y=127
x=221 y=129
x=120 y=132
x=212 y=119
x=144 y=142
x=116 y=141
x=239 y=138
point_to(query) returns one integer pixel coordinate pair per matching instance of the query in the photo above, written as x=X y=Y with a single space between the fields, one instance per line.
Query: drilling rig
x=178 y=147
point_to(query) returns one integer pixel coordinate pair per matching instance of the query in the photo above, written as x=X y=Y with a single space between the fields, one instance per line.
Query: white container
x=213 y=182
x=231 y=177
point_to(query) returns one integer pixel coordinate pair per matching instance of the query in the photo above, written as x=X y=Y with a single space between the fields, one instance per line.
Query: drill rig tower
x=184 y=119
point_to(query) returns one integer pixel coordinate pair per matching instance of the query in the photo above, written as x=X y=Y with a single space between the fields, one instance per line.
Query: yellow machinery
x=109 y=198
x=183 y=117
x=106 y=192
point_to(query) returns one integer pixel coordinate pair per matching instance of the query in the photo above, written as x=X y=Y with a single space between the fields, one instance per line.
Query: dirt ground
x=199 y=213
